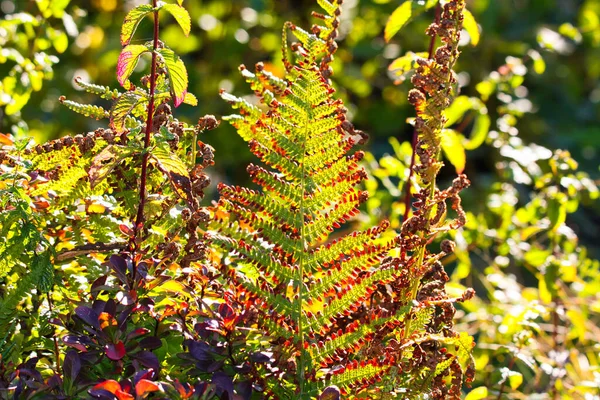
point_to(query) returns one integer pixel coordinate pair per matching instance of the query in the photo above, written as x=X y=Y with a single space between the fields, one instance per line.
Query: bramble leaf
x=190 y=99
x=106 y=161
x=181 y=16
x=121 y=110
x=128 y=60
x=480 y=131
x=168 y=162
x=131 y=22
x=402 y=15
x=470 y=25
x=454 y=149
x=402 y=66
x=477 y=393
x=177 y=75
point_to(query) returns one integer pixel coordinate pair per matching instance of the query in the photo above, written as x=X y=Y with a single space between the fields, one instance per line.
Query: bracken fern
x=345 y=317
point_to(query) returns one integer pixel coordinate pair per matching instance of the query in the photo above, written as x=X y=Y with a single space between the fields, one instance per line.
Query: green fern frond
x=103 y=91
x=40 y=277
x=325 y=301
x=87 y=110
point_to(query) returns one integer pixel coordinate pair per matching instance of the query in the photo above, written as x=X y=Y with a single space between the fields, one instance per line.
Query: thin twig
x=89 y=248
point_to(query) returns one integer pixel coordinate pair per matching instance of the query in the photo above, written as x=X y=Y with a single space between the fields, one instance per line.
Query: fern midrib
x=302 y=244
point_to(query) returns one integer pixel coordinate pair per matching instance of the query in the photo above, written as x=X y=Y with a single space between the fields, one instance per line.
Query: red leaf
x=126 y=230
x=136 y=333
x=115 y=351
x=109 y=385
x=121 y=395
x=6 y=139
x=144 y=387
x=40 y=205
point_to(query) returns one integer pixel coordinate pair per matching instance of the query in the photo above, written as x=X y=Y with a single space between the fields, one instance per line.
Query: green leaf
x=106 y=161
x=121 y=109
x=457 y=109
x=177 y=75
x=480 y=131
x=539 y=65
x=401 y=66
x=131 y=22
x=454 y=150
x=557 y=210
x=515 y=379
x=190 y=99
x=168 y=161
x=470 y=25
x=477 y=393
x=59 y=39
x=402 y=15
x=45 y=271
x=181 y=16
x=128 y=60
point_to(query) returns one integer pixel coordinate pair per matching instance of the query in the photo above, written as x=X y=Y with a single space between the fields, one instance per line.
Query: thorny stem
x=139 y=221
x=415 y=139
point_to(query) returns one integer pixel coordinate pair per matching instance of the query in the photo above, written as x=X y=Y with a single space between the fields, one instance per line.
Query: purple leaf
x=144 y=374
x=226 y=311
x=119 y=265
x=71 y=365
x=199 y=350
x=147 y=359
x=102 y=394
x=223 y=382
x=330 y=393
x=259 y=357
x=115 y=351
x=75 y=342
x=244 y=389
x=88 y=316
x=150 y=343
x=137 y=332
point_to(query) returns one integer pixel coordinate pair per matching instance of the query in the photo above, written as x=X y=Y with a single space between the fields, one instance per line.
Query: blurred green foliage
x=566 y=96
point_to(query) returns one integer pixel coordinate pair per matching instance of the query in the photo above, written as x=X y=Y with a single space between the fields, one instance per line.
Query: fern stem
x=415 y=139
x=302 y=362
x=139 y=221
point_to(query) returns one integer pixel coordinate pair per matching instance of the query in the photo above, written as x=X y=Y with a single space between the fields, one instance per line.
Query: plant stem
x=510 y=365
x=56 y=351
x=139 y=221
x=415 y=139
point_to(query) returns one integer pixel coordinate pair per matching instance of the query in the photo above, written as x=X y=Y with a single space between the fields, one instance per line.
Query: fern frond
x=103 y=91
x=325 y=302
x=87 y=110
